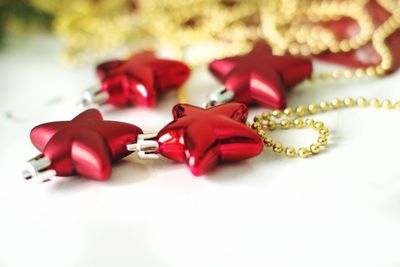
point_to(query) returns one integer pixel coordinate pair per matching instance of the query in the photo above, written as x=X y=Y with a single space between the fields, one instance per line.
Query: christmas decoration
x=260 y=76
x=86 y=145
x=136 y=81
x=380 y=13
x=326 y=29
x=203 y=138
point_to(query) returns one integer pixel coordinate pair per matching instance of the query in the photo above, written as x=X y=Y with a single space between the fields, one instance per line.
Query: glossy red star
x=86 y=145
x=260 y=76
x=204 y=137
x=137 y=80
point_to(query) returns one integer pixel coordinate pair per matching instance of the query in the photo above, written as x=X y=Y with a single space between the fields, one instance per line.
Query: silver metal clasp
x=94 y=97
x=146 y=147
x=218 y=97
x=37 y=169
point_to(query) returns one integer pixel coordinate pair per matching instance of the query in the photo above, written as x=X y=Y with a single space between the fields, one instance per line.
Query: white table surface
x=341 y=208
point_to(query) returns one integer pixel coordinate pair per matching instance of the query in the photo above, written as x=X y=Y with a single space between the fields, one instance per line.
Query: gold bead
x=298 y=123
x=371 y=71
x=324 y=132
x=303 y=152
x=348 y=74
x=256 y=125
x=262 y=134
x=315 y=50
x=257 y=118
x=360 y=73
x=374 y=102
x=290 y=152
x=336 y=74
x=259 y=126
x=277 y=113
x=387 y=104
x=334 y=48
x=325 y=106
x=362 y=102
x=314 y=76
x=294 y=49
x=348 y=101
x=268 y=141
x=319 y=125
x=386 y=65
x=271 y=125
x=301 y=111
x=380 y=71
x=324 y=75
x=309 y=122
x=285 y=124
x=344 y=46
x=322 y=141
x=305 y=51
x=315 y=148
x=313 y=108
x=260 y=131
x=337 y=103
x=288 y=111
x=278 y=148
x=266 y=115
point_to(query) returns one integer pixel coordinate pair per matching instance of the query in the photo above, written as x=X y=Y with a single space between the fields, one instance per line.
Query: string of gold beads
x=292 y=118
x=301 y=37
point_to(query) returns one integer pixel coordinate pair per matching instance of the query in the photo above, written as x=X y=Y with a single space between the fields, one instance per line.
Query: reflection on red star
x=260 y=76
x=86 y=145
x=137 y=80
x=204 y=137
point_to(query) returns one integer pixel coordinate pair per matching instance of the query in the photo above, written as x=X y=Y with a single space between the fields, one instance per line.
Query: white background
x=340 y=208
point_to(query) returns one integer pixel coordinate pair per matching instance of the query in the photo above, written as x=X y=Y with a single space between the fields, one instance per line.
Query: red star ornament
x=137 y=80
x=86 y=145
x=204 y=137
x=260 y=76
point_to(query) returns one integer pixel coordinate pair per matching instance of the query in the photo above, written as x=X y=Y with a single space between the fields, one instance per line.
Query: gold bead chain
x=305 y=39
x=229 y=26
x=302 y=37
x=294 y=118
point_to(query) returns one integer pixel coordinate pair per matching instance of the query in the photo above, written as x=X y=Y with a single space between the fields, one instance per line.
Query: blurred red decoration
x=137 y=80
